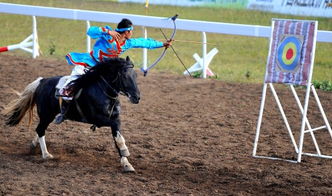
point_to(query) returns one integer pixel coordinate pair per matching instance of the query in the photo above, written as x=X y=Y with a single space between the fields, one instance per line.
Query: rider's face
x=129 y=34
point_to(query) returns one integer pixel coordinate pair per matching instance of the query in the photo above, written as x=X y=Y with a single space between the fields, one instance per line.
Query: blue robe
x=107 y=47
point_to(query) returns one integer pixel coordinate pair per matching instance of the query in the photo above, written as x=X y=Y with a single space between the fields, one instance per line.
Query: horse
x=95 y=102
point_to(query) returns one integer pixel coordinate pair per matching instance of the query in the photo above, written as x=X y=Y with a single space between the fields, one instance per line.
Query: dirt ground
x=186 y=137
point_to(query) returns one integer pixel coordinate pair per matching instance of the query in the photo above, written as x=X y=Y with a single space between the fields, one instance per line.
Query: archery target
x=289 y=53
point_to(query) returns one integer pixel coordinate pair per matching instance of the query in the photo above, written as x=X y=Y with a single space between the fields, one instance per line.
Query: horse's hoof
x=128 y=168
x=48 y=156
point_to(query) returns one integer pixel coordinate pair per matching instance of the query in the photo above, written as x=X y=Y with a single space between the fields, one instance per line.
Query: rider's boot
x=59 y=118
x=67 y=95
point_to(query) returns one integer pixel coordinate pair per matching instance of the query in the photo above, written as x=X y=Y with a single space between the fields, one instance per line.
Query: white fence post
x=145 y=51
x=35 y=45
x=88 y=40
x=204 y=54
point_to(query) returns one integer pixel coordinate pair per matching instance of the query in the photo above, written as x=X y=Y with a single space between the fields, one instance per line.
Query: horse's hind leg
x=34 y=144
x=34 y=141
x=42 y=126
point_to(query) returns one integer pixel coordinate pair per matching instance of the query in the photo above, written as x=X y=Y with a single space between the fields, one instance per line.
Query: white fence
x=149 y=21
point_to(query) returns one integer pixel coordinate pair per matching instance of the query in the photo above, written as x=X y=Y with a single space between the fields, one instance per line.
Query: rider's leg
x=64 y=100
x=65 y=95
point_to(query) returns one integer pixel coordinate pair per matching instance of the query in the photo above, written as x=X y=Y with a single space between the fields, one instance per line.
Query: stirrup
x=67 y=98
x=58 y=95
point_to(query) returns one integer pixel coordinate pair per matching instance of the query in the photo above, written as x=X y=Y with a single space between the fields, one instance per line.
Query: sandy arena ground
x=186 y=137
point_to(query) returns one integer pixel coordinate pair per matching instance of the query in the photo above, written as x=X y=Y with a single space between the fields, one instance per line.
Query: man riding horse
x=110 y=44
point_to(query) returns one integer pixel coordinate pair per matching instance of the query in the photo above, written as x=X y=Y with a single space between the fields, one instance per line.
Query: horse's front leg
x=123 y=152
x=120 y=142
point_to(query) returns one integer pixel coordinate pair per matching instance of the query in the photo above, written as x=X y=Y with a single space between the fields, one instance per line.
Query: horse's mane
x=109 y=66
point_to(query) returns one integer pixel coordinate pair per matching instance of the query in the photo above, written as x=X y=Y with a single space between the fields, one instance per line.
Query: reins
x=121 y=90
x=112 y=89
x=109 y=86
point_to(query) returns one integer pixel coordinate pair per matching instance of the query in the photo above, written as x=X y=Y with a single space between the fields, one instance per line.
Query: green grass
x=240 y=59
x=324 y=85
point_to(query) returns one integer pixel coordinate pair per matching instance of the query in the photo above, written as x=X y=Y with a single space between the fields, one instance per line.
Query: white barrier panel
x=200 y=65
x=318 y=8
x=148 y=21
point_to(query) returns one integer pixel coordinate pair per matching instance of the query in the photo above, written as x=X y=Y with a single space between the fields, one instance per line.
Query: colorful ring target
x=289 y=53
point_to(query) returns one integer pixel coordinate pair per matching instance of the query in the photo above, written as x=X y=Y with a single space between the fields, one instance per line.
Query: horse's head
x=117 y=75
x=127 y=81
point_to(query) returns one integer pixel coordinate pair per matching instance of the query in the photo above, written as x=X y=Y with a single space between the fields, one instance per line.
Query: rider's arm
x=144 y=43
x=98 y=32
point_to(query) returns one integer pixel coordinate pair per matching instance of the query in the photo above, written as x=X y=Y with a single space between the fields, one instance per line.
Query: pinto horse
x=95 y=102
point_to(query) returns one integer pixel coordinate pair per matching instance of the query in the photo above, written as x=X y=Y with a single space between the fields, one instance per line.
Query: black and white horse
x=96 y=102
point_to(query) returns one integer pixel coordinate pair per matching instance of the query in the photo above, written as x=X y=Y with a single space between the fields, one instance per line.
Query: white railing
x=149 y=21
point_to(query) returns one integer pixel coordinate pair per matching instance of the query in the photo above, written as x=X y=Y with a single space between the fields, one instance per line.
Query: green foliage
x=51 y=48
x=324 y=85
x=216 y=76
x=196 y=74
x=248 y=74
x=240 y=59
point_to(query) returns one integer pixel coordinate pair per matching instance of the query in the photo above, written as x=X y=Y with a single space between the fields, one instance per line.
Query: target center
x=289 y=53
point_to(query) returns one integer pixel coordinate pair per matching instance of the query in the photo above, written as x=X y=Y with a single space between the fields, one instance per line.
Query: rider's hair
x=125 y=23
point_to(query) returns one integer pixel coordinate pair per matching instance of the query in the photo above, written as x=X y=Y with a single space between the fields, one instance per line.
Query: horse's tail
x=16 y=109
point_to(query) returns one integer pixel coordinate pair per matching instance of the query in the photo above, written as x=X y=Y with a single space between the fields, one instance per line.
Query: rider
x=109 y=44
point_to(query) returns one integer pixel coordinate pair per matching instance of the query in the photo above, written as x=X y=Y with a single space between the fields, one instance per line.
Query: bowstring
x=176 y=54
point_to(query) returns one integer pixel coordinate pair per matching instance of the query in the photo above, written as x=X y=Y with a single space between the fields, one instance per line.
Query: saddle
x=65 y=88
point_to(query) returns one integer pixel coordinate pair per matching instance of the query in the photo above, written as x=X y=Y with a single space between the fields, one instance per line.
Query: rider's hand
x=168 y=43
x=114 y=34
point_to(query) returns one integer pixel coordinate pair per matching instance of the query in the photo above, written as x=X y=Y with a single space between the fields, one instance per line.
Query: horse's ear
x=129 y=61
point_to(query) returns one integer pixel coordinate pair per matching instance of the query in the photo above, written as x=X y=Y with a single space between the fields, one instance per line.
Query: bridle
x=105 y=91
x=118 y=80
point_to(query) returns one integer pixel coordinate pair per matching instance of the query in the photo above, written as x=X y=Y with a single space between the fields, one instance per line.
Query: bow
x=145 y=71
